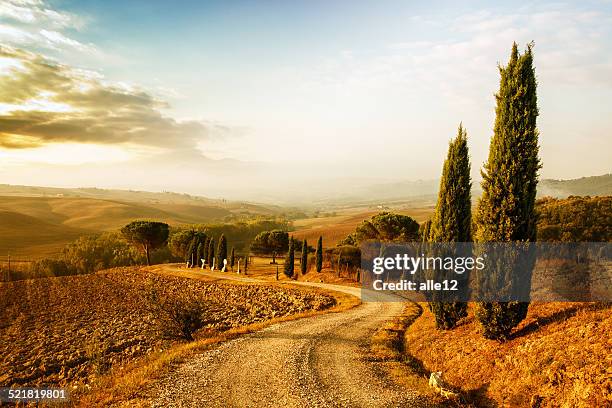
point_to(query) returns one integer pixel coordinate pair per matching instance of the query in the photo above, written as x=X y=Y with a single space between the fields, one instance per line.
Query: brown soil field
x=559 y=356
x=70 y=330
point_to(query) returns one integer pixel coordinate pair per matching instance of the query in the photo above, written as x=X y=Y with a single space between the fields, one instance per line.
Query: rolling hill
x=38 y=221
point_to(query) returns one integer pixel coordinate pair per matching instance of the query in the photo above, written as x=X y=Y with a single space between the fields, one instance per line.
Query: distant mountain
x=140 y=197
x=591 y=186
x=425 y=191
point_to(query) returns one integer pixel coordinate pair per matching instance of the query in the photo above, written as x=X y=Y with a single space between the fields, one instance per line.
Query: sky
x=260 y=100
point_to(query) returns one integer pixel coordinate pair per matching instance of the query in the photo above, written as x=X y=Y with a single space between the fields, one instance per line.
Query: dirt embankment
x=71 y=329
x=558 y=356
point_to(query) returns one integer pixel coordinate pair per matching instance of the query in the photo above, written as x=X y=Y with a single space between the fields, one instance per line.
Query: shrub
x=177 y=316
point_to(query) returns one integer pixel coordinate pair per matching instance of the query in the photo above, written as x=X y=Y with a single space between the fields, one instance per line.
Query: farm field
x=70 y=330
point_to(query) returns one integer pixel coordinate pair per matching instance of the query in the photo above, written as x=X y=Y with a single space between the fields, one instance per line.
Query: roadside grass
x=387 y=347
x=124 y=386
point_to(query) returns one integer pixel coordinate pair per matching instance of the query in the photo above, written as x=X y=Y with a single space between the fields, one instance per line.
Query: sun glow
x=66 y=154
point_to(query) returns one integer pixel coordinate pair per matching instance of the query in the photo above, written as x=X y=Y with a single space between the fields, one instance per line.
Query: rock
x=435 y=379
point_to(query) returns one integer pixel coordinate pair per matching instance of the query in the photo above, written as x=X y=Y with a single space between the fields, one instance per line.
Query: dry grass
x=560 y=355
x=387 y=347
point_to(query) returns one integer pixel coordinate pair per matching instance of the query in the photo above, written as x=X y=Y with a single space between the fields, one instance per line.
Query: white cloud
x=572 y=47
x=31 y=23
x=57 y=39
x=37 y=12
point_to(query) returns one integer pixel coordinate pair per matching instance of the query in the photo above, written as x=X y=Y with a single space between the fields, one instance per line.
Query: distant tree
x=319 y=254
x=451 y=222
x=347 y=256
x=424 y=230
x=148 y=234
x=246 y=262
x=222 y=251
x=211 y=251
x=506 y=209
x=289 y=259
x=304 y=258
x=198 y=260
x=189 y=255
x=575 y=219
x=270 y=243
x=205 y=249
x=385 y=226
x=232 y=259
x=179 y=243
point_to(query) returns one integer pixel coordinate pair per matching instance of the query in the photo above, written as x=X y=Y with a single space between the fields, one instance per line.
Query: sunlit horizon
x=250 y=100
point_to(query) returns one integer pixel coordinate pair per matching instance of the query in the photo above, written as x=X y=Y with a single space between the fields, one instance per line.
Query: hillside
x=142 y=197
x=555 y=358
x=335 y=228
x=37 y=226
x=591 y=186
x=392 y=193
x=29 y=237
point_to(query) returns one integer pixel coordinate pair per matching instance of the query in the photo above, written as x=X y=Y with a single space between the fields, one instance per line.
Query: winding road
x=318 y=361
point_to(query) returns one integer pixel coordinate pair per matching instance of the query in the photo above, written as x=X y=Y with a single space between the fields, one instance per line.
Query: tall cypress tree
x=205 y=249
x=319 y=254
x=190 y=249
x=211 y=251
x=452 y=220
x=221 y=251
x=289 y=259
x=232 y=259
x=199 y=253
x=506 y=209
x=304 y=258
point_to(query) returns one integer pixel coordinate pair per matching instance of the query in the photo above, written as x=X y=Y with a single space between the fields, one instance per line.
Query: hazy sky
x=240 y=98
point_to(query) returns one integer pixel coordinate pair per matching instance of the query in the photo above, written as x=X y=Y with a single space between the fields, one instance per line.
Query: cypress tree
x=452 y=221
x=211 y=251
x=304 y=258
x=199 y=253
x=205 y=249
x=221 y=251
x=189 y=251
x=319 y=254
x=232 y=259
x=506 y=209
x=246 y=262
x=289 y=259
x=424 y=230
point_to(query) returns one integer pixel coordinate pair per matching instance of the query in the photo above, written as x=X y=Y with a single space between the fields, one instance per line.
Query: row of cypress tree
x=505 y=212
x=203 y=247
x=289 y=267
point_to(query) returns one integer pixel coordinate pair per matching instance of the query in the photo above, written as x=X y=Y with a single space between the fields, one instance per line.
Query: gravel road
x=312 y=362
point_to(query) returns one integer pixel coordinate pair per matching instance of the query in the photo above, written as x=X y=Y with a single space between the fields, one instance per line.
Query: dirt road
x=319 y=361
